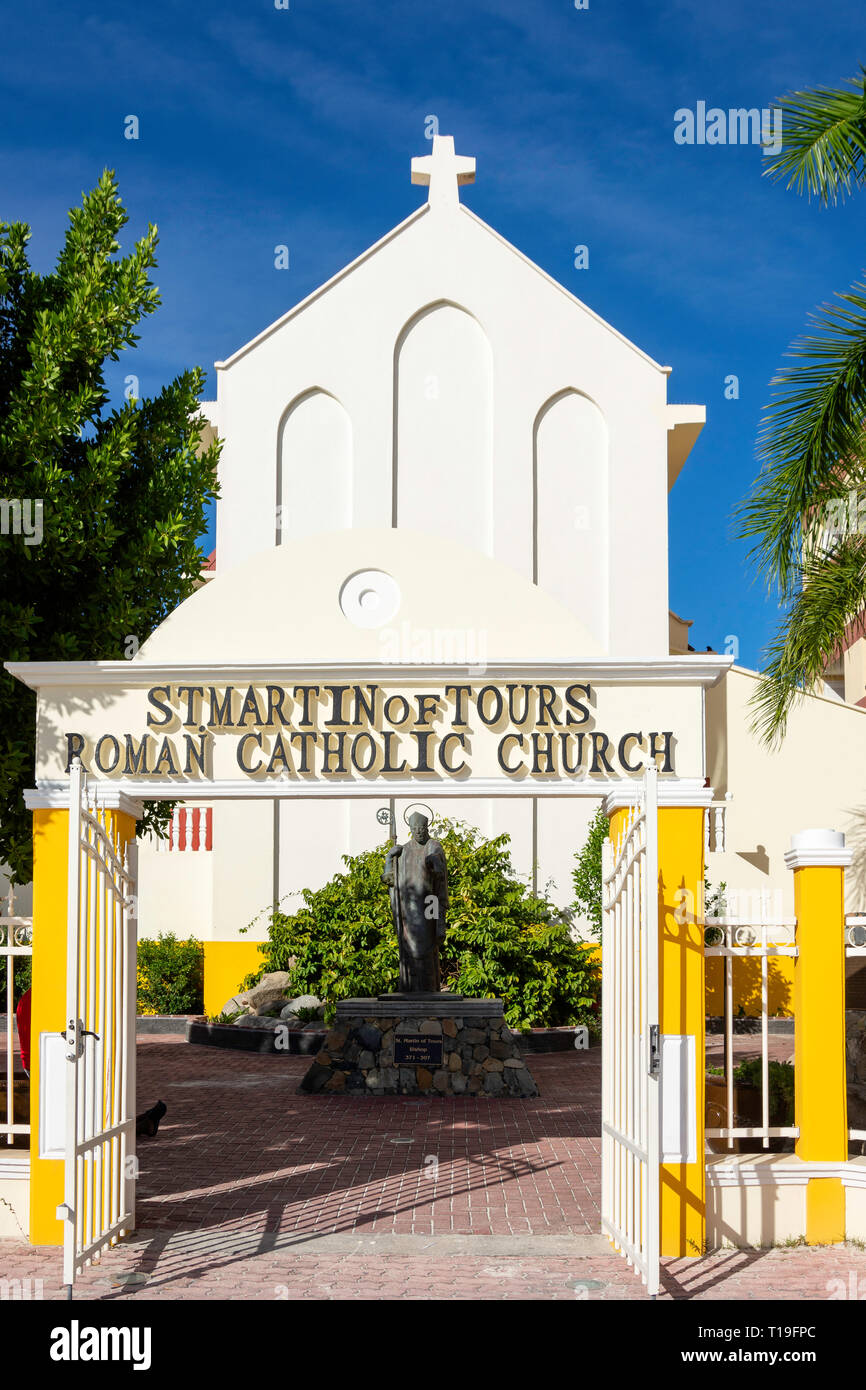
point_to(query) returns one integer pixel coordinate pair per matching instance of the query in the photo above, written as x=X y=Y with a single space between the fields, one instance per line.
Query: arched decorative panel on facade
x=314 y=472
x=571 y=560
x=443 y=455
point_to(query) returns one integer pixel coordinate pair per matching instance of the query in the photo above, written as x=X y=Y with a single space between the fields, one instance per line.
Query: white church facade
x=441 y=387
x=441 y=575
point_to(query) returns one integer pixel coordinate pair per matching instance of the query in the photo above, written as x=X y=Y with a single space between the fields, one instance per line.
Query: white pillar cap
x=817 y=847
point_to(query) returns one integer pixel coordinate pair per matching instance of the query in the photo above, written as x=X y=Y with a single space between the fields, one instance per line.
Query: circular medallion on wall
x=370 y=598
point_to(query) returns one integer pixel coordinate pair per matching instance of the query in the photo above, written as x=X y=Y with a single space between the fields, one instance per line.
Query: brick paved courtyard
x=251 y=1191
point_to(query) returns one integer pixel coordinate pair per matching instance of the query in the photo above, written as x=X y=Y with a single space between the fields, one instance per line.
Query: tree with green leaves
x=501 y=939
x=586 y=874
x=805 y=514
x=120 y=491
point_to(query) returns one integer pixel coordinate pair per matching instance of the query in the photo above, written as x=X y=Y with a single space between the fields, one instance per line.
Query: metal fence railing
x=855 y=945
x=16 y=943
x=734 y=939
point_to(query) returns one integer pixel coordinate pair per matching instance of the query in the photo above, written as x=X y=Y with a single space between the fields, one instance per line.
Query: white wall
x=175 y=892
x=243 y=869
x=544 y=836
x=815 y=779
x=518 y=341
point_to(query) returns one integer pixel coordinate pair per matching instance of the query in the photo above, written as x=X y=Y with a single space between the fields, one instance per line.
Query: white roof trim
x=420 y=212
x=603 y=323
x=128 y=793
x=671 y=670
x=395 y=232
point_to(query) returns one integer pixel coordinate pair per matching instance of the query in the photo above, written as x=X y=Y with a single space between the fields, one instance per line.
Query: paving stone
x=253 y=1191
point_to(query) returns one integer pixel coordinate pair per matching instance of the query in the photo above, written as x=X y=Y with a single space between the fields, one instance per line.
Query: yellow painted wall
x=747 y=987
x=226 y=963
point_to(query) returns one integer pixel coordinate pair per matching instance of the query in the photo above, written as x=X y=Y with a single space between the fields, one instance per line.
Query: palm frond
x=812 y=633
x=812 y=438
x=823 y=140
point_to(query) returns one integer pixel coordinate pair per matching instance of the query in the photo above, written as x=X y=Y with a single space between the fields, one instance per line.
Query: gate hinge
x=655 y=1050
x=65 y=1212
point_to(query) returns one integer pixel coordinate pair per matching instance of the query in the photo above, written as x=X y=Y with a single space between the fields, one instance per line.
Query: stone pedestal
x=420 y=1044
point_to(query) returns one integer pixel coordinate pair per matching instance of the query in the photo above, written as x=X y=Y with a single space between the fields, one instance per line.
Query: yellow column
x=818 y=859
x=681 y=995
x=682 y=1008
x=48 y=1004
x=48 y=998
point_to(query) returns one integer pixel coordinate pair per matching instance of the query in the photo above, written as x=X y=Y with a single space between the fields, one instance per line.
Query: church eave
x=323 y=288
x=578 y=303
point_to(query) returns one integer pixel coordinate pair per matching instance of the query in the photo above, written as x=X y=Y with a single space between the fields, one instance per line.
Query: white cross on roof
x=443 y=171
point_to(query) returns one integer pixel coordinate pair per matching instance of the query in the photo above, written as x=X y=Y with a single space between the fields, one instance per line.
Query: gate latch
x=655 y=1050
x=74 y=1037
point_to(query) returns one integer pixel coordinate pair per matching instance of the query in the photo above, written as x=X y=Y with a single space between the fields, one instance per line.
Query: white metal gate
x=99 y=1178
x=630 y=1152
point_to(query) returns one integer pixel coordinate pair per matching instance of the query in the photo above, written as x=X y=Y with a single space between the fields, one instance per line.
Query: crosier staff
x=391 y=876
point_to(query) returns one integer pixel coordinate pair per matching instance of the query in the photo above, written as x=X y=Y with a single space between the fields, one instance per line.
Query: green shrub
x=781 y=1081
x=170 y=975
x=501 y=940
x=307 y=1015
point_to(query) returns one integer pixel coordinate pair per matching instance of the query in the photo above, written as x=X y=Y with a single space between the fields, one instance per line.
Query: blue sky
x=261 y=126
